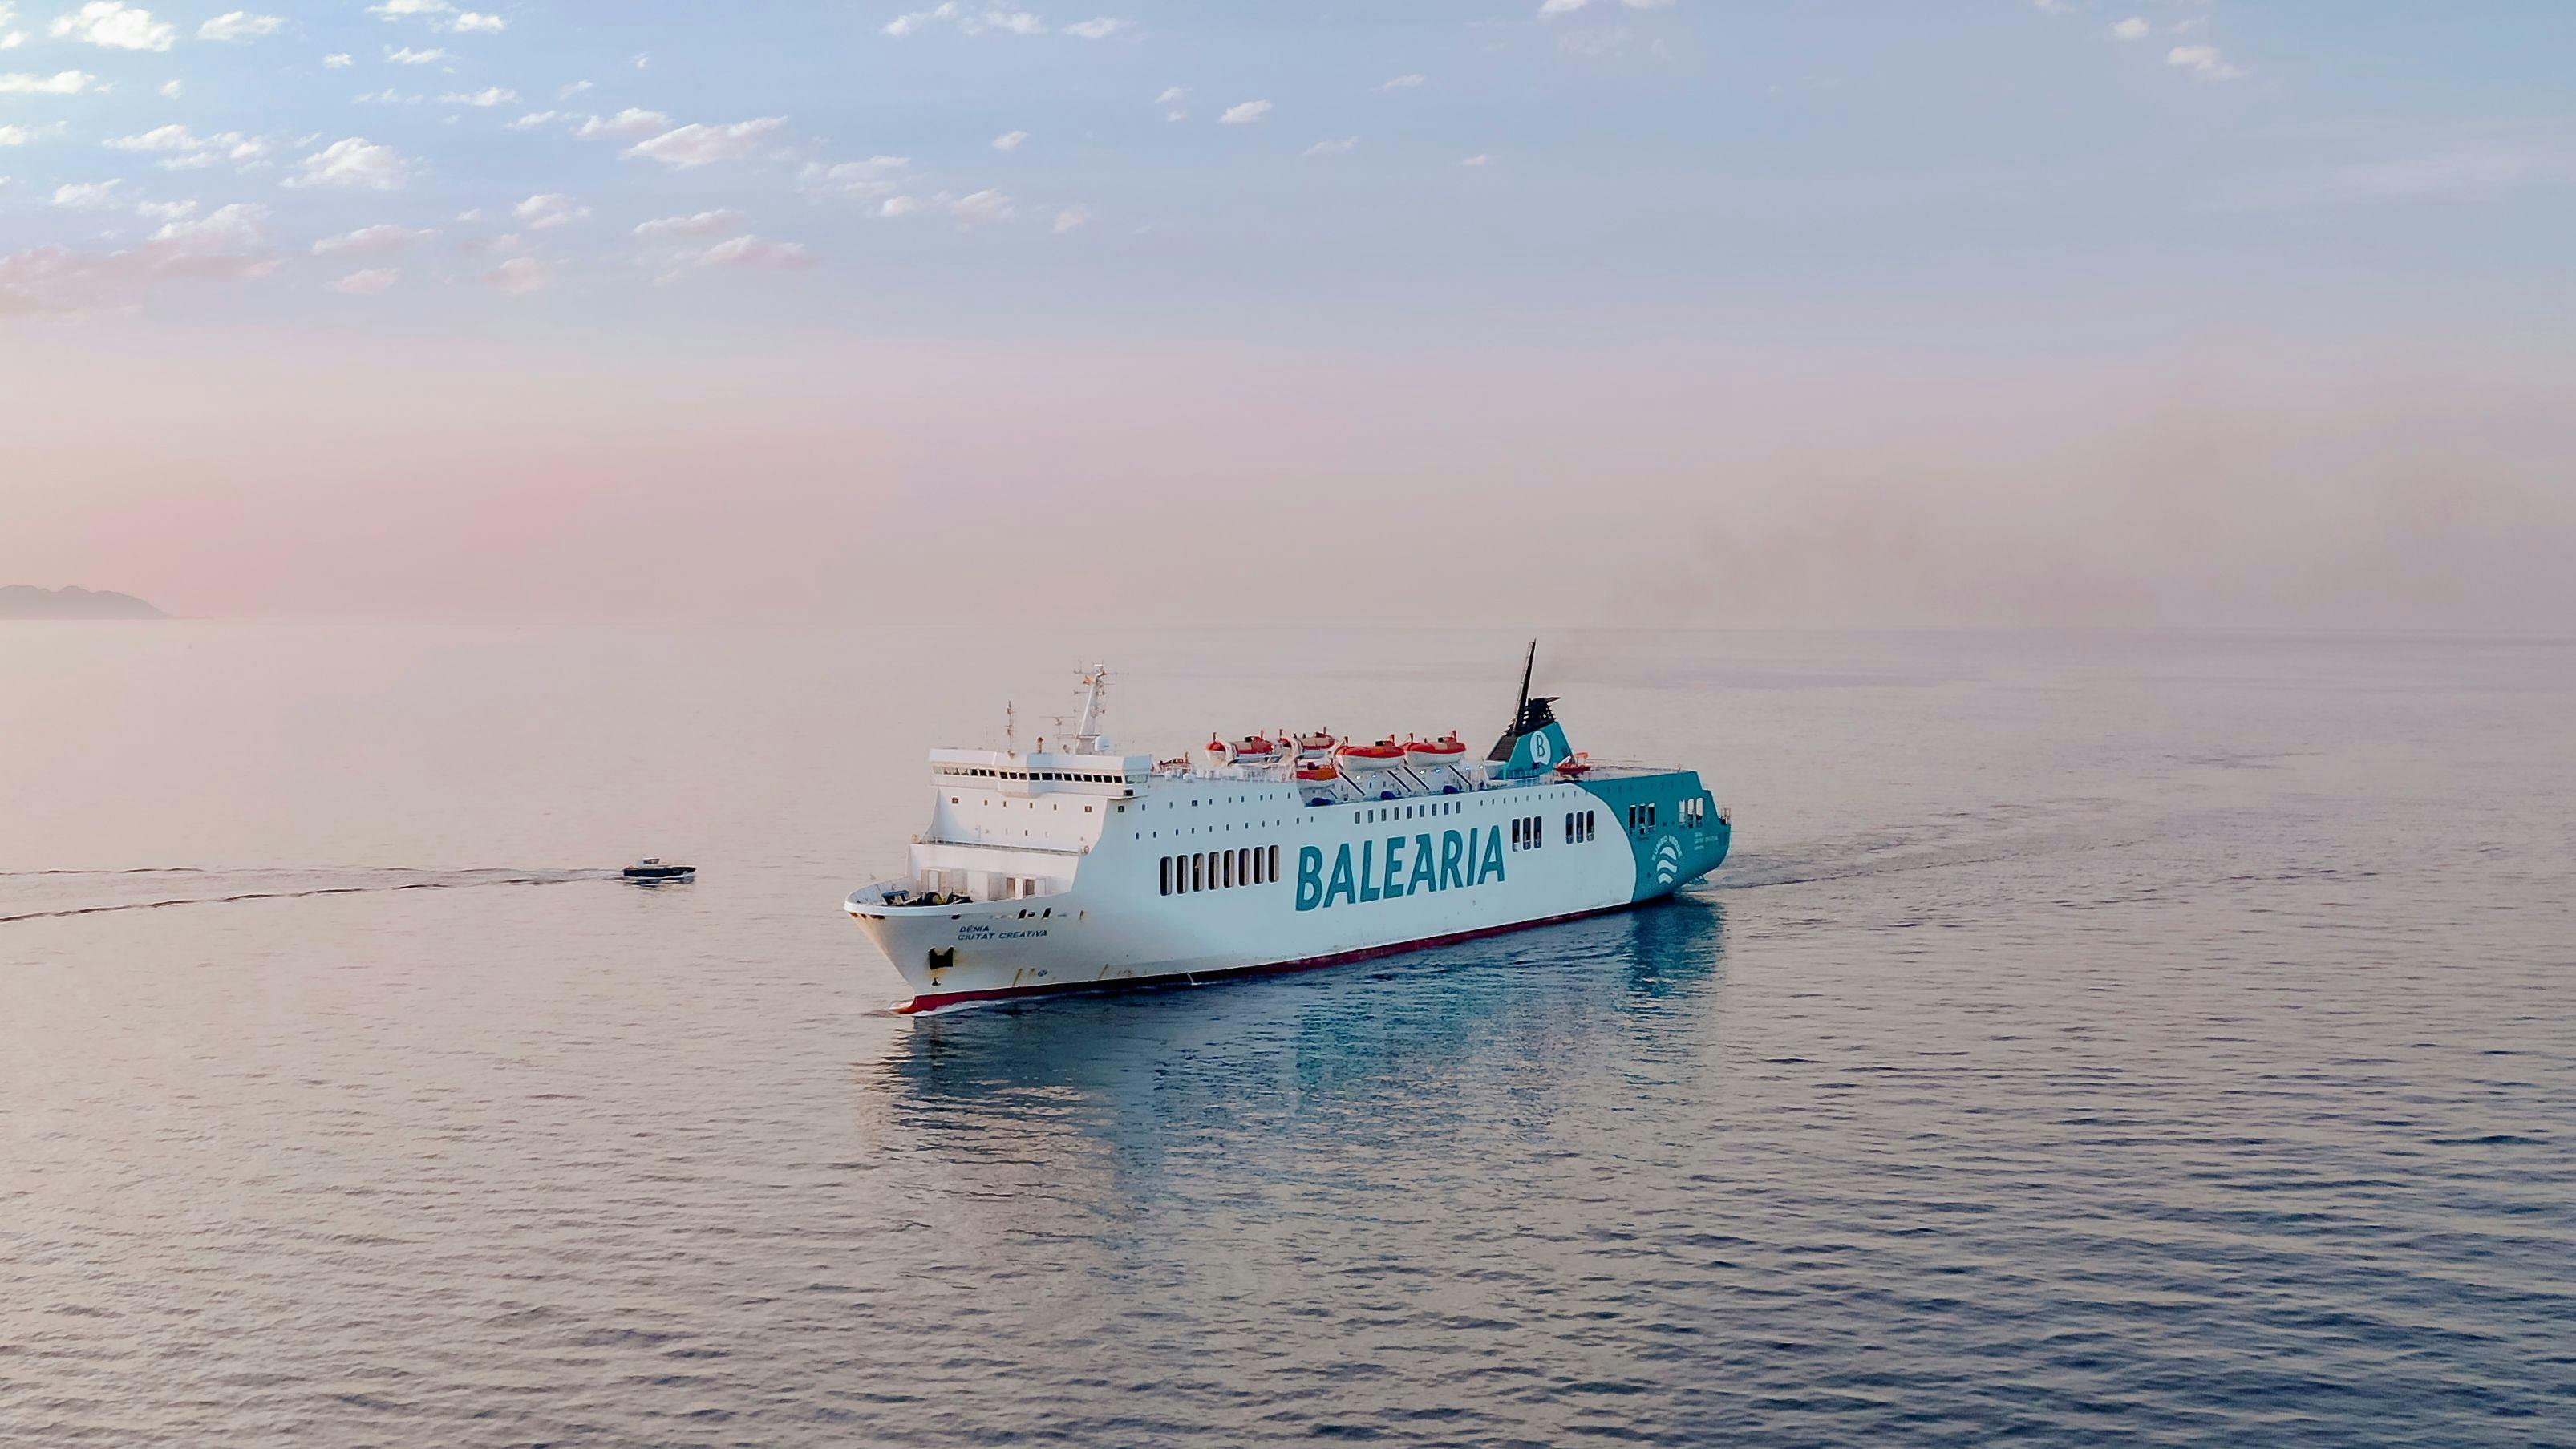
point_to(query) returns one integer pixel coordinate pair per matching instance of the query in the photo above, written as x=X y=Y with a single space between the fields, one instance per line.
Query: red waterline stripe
x=1272 y=968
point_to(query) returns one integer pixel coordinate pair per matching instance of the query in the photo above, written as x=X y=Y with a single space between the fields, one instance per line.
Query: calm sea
x=2098 y=1038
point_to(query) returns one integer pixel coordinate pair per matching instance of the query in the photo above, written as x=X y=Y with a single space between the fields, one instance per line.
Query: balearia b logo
x=1539 y=749
x=1395 y=867
x=1668 y=860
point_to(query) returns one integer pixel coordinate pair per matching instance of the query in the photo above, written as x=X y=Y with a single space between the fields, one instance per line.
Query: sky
x=1601 y=312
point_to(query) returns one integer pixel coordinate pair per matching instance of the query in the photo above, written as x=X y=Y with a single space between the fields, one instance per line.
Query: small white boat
x=1446 y=750
x=651 y=871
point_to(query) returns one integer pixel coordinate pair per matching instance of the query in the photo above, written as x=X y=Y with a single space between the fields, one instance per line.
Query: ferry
x=1081 y=868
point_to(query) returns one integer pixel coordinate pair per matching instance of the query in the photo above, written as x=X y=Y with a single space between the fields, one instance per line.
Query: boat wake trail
x=263 y=886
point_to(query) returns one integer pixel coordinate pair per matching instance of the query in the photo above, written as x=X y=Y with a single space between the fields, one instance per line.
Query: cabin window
x=1274 y=862
x=1167 y=875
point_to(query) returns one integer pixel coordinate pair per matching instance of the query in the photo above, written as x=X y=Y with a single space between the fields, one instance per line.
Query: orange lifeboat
x=1254 y=750
x=1318 y=772
x=1384 y=755
x=1446 y=750
x=1574 y=765
x=1317 y=745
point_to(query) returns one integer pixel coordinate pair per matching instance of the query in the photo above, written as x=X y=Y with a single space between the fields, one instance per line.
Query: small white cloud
x=518 y=276
x=1175 y=103
x=239 y=25
x=2133 y=28
x=15 y=135
x=899 y=206
x=1403 y=83
x=173 y=137
x=341 y=61
x=750 y=253
x=405 y=55
x=383 y=239
x=115 y=25
x=570 y=91
x=704 y=223
x=366 y=283
x=2203 y=61
x=1244 y=114
x=165 y=211
x=2053 y=7
x=627 y=125
x=226 y=229
x=1010 y=140
x=1332 y=148
x=534 y=119
x=699 y=145
x=470 y=23
x=972 y=19
x=354 y=163
x=173 y=88
x=981 y=206
x=1071 y=217
x=489 y=96
x=552 y=209
x=87 y=195
x=60 y=83
x=397 y=9
x=875 y=176
x=1554 y=8
x=643 y=60
x=1479 y=159
x=1098 y=28
x=1646 y=4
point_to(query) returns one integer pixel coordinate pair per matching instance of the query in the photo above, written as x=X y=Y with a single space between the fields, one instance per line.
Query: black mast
x=1502 y=749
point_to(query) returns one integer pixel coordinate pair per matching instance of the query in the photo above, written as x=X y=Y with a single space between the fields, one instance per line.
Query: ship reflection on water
x=1383 y=1042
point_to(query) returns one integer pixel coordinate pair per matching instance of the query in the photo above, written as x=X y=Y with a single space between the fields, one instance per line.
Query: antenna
x=1010 y=727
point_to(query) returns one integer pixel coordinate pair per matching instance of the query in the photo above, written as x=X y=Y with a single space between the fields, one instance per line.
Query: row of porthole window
x=1526 y=833
x=1060 y=775
x=1407 y=812
x=1212 y=870
x=1641 y=817
x=1578 y=825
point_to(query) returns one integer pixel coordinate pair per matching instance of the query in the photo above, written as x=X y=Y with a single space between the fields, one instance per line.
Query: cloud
x=471 y=23
x=518 y=276
x=626 y=125
x=875 y=176
x=1174 y=101
x=227 y=245
x=534 y=119
x=1403 y=83
x=1554 y=8
x=2203 y=61
x=173 y=137
x=60 y=83
x=115 y=25
x=15 y=135
x=1098 y=28
x=698 y=145
x=382 y=239
x=750 y=253
x=165 y=211
x=973 y=20
x=551 y=209
x=1010 y=140
x=704 y=223
x=397 y=9
x=1332 y=148
x=367 y=283
x=981 y=206
x=1244 y=114
x=489 y=96
x=1071 y=217
x=341 y=61
x=239 y=25
x=172 y=88
x=87 y=195
x=405 y=55
x=570 y=91
x=899 y=206
x=1479 y=159
x=354 y=163
x=2133 y=28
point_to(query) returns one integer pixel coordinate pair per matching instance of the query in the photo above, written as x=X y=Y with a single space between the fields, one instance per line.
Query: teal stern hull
x=1675 y=833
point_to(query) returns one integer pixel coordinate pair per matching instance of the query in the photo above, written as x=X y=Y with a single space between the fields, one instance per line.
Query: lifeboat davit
x=1446 y=750
x=1384 y=755
x=1316 y=746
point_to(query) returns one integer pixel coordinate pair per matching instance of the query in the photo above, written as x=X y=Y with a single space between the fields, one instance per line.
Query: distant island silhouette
x=26 y=601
